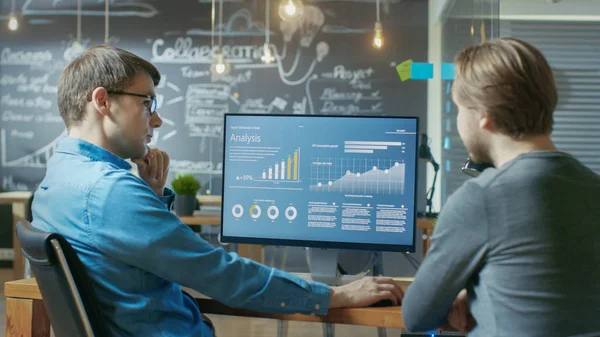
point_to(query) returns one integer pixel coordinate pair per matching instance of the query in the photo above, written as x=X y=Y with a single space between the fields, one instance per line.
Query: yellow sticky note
x=404 y=69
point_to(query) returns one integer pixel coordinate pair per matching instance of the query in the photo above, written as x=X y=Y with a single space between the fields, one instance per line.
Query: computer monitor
x=326 y=182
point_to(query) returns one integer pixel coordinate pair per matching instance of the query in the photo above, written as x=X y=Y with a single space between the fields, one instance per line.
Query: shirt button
x=317 y=307
x=283 y=304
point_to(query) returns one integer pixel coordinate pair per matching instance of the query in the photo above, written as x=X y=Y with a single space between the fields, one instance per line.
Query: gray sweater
x=524 y=240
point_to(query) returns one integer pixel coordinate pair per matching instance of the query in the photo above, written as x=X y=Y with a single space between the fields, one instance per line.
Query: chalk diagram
x=36 y=159
x=240 y=23
x=168 y=129
x=118 y=8
x=203 y=108
x=206 y=103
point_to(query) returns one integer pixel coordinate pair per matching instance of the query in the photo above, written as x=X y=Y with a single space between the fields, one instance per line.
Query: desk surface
x=23 y=196
x=16 y=196
x=387 y=317
x=211 y=218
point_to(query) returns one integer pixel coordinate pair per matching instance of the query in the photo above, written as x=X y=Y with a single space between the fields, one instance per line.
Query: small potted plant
x=185 y=187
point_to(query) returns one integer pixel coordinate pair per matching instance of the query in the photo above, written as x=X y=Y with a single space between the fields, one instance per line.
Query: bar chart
x=369 y=147
x=353 y=175
x=286 y=169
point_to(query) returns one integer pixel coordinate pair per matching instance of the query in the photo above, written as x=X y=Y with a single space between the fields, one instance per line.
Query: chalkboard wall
x=324 y=64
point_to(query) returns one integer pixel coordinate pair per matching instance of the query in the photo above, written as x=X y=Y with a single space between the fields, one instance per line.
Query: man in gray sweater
x=515 y=251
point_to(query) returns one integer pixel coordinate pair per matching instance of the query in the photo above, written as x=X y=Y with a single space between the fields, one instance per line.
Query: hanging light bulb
x=13 y=23
x=77 y=46
x=378 y=37
x=472 y=18
x=290 y=9
x=220 y=67
x=267 y=56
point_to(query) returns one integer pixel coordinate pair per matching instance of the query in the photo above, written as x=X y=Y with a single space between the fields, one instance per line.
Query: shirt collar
x=72 y=145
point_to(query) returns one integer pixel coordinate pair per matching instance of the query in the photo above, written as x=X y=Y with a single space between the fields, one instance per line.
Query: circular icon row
x=272 y=212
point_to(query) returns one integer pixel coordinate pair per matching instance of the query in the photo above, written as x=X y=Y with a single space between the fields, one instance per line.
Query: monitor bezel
x=322 y=244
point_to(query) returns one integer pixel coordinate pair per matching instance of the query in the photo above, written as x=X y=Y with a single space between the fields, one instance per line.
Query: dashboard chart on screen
x=334 y=179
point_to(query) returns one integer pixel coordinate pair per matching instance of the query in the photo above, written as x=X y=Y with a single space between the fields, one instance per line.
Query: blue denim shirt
x=138 y=252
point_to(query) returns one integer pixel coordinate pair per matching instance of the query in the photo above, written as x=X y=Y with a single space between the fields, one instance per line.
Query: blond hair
x=512 y=81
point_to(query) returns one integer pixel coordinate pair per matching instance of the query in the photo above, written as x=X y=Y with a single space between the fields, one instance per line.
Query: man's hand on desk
x=460 y=317
x=366 y=291
x=154 y=169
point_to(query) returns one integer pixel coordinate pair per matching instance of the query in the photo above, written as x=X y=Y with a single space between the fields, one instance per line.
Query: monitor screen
x=320 y=181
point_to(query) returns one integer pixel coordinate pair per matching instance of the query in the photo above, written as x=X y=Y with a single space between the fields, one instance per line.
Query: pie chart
x=255 y=211
x=272 y=212
x=237 y=211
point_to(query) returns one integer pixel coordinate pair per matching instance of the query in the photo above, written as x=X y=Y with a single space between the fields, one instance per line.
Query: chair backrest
x=65 y=286
x=29 y=213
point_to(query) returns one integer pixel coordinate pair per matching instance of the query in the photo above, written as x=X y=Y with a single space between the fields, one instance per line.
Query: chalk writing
x=184 y=51
x=21 y=102
x=21 y=134
x=20 y=57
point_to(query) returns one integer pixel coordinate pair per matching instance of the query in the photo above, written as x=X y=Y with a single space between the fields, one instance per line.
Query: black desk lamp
x=425 y=153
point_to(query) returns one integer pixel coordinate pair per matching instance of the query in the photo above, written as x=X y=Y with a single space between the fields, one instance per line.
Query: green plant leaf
x=185 y=184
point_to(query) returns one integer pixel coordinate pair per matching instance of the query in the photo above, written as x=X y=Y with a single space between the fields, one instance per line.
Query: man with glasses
x=136 y=251
x=150 y=103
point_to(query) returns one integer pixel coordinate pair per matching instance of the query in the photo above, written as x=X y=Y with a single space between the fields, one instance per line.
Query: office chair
x=64 y=283
x=28 y=217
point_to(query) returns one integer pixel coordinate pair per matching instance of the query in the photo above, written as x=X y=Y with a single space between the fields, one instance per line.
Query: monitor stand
x=324 y=266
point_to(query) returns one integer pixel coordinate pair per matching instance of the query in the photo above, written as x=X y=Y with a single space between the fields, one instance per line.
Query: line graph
x=353 y=175
x=36 y=159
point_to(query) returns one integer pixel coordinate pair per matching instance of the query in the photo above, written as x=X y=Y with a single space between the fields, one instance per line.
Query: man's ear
x=486 y=122
x=100 y=101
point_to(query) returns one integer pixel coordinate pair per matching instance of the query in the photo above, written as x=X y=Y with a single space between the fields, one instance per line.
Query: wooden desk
x=202 y=218
x=26 y=314
x=427 y=226
x=19 y=201
x=209 y=200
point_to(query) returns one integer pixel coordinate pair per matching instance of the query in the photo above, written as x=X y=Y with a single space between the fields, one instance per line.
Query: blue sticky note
x=421 y=71
x=447 y=71
x=448 y=88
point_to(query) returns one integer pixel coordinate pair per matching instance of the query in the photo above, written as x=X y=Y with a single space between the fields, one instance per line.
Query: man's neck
x=90 y=135
x=505 y=149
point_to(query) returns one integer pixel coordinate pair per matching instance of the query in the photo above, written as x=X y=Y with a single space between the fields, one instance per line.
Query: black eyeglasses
x=150 y=105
